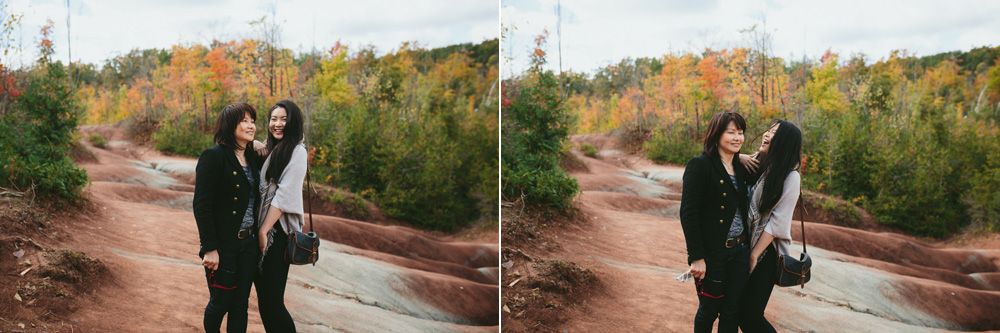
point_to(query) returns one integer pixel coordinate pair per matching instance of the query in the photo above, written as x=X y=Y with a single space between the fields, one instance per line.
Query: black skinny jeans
x=758 y=292
x=229 y=285
x=720 y=291
x=270 y=285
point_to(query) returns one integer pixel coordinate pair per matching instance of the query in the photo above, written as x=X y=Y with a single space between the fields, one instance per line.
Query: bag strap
x=309 y=198
x=802 y=219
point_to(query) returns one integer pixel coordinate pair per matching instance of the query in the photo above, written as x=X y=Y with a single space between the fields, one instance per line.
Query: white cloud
x=102 y=29
x=598 y=33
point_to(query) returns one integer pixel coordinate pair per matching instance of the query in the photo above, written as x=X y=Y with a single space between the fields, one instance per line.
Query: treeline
x=912 y=139
x=414 y=130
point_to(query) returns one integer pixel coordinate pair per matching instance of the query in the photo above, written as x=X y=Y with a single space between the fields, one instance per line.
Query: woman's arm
x=749 y=162
x=692 y=196
x=260 y=148
x=779 y=223
x=270 y=219
x=762 y=243
x=288 y=197
x=205 y=190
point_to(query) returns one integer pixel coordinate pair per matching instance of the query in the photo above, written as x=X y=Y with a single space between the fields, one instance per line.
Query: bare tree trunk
x=559 y=34
x=980 y=98
x=204 y=102
x=69 y=48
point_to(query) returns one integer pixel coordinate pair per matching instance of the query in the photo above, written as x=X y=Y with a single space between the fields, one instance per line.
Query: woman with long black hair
x=772 y=202
x=713 y=210
x=281 y=210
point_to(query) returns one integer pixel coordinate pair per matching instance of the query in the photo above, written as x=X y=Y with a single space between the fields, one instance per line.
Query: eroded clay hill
x=862 y=281
x=371 y=277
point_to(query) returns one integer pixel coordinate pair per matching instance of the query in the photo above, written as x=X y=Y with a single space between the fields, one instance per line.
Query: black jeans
x=720 y=291
x=229 y=285
x=758 y=292
x=270 y=285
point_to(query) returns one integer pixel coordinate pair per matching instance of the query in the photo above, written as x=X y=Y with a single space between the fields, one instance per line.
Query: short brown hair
x=718 y=126
x=229 y=118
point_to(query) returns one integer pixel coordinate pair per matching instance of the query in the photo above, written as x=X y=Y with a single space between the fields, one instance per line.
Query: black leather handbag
x=790 y=272
x=303 y=248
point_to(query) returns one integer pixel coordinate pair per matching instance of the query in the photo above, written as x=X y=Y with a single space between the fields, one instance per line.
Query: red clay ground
x=863 y=281
x=370 y=277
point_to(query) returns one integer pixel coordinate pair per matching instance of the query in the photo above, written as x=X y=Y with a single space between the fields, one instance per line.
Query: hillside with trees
x=413 y=130
x=911 y=139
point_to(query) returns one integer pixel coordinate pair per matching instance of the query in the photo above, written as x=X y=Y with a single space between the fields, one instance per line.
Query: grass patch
x=349 y=205
x=841 y=211
x=589 y=150
x=98 y=141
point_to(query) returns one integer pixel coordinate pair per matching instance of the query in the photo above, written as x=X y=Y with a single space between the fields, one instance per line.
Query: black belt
x=730 y=243
x=244 y=233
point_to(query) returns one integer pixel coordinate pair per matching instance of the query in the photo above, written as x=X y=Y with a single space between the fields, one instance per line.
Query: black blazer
x=709 y=202
x=221 y=194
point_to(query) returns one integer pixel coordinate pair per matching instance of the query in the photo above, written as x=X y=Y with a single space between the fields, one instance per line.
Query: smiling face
x=245 y=130
x=765 y=143
x=276 y=124
x=731 y=140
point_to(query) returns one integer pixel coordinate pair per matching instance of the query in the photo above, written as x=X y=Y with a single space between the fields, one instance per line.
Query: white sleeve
x=288 y=197
x=779 y=223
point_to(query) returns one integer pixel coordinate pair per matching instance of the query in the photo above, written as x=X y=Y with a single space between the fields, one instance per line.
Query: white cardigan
x=779 y=222
x=286 y=195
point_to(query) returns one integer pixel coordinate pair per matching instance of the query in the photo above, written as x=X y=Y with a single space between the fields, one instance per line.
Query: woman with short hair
x=225 y=198
x=713 y=215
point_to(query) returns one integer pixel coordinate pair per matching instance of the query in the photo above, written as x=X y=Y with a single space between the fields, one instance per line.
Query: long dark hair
x=281 y=150
x=717 y=126
x=229 y=118
x=783 y=156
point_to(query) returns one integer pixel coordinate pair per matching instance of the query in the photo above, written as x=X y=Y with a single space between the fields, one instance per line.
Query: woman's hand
x=750 y=162
x=211 y=260
x=260 y=148
x=698 y=269
x=262 y=239
x=753 y=262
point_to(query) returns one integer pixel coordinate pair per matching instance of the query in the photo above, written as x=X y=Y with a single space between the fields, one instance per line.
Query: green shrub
x=437 y=170
x=422 y=182
x=633 y=135
x=535 y=124
x=905 y=177
x=183 y=136
x=98 y=141
x=982 y=195
x=844 y=212
x=350 y=204
x=38 y=137
x=589 y=150
x=673 y=144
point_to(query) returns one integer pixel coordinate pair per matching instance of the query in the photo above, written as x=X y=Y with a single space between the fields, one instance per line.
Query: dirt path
x=862 y=282
x=370 y=278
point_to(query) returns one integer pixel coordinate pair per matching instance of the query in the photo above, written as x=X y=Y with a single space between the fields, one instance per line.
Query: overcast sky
x=596 y=33
x=105 y=28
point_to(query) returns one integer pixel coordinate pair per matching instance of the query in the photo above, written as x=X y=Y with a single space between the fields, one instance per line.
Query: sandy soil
x=863 y=281
x=370 y=278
